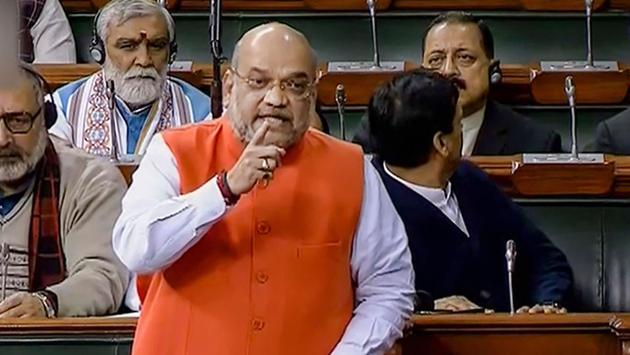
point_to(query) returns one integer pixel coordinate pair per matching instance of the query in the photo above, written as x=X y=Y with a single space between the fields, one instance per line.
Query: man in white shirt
x=457 y=220
x=45 y=34
x=247 y=234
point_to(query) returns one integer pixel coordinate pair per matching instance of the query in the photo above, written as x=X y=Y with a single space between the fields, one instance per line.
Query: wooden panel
x=359 y=86
x=619 y=4
x=68 y=327
x=354 y=5
x=564 y=179
x=501 y=170
x=457 y=4
x=547 y=88
x=514 y=89
x=556 y=5
x=337 y=5
x=501 y=334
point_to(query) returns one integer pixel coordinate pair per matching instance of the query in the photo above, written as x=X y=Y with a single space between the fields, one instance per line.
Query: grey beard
x=15 y=169
x=136 y=91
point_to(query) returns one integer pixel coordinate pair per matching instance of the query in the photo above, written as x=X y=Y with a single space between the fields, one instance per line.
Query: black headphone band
x=49 y=108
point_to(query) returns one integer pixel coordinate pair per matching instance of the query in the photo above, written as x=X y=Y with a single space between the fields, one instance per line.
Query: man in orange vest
x=263 y=236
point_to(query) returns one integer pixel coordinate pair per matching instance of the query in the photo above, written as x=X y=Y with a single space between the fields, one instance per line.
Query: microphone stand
x=569 y=89
x=510 y=257
x=111 y=92
x=589 y=33
x=4 y=261
x=340 y=98
x=372 y=8
x=216 y=91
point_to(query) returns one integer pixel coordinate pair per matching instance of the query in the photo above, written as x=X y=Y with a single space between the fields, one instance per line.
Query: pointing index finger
x=259 y=136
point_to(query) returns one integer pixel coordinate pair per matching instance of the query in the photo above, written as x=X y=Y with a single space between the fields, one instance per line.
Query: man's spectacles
x=299 y=88
x=19 y=122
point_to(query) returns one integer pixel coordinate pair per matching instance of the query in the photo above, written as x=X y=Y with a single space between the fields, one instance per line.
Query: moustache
x=276 y=114
x=142 y=74
x=10 y=154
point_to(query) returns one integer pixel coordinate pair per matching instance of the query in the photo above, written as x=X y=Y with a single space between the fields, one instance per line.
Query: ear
x=228 y=85
x=440 y=144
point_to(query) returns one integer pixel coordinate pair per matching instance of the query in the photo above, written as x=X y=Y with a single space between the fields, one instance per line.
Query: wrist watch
x=47 y=302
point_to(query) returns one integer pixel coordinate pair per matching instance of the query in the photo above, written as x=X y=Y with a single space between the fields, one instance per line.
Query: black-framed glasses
x=19 y=122
x=298 y=88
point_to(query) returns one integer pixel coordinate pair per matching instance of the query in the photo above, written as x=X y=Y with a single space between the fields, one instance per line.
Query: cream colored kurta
x=91 y=190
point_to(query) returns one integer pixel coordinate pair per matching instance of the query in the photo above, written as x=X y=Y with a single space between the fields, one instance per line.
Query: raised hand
x=257 y=162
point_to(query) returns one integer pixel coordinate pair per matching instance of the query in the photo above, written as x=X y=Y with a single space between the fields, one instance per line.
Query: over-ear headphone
x=495 y=73
x=49 y=109
x=97 y=46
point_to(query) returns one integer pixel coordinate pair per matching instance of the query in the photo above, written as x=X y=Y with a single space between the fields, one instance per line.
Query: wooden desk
x=502 y=334
x=69 y=336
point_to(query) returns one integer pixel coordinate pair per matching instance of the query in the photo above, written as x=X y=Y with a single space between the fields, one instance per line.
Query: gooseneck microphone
x=340 y=98
x=111 y=103
x=510 y=258
x=588 y=4
x=372 y=8
x=569 y=89
x=4 y=262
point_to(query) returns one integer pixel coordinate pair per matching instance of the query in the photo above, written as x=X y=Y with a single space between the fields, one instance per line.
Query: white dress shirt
x=470 y=130
x=52 y=36
x=158 y=225
x=444 y=200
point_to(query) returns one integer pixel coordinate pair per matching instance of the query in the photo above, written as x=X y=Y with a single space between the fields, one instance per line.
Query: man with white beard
x=134 y=41
x=58 y=206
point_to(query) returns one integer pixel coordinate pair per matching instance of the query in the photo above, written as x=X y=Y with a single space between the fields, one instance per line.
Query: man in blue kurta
x=134 y=40
x=457 y=220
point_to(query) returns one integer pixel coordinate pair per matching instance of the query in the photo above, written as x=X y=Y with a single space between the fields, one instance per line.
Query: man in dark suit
x=457 y=220
x=460 y=46
x=612 y=135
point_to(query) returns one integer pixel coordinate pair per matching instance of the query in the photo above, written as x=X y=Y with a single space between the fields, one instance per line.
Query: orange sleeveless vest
x=272 y=277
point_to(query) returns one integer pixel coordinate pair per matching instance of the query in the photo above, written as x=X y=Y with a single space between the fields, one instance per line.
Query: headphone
x=495 y=73
x=49 y=109
x=97 y=46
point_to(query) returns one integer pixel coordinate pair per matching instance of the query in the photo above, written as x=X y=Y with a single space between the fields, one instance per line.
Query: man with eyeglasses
x=57 y=210
x=458 y=45
x=134 y=41
x=264 y=236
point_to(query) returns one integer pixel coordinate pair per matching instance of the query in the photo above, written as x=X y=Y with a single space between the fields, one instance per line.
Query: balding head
x=272 y=78
x=277 y=36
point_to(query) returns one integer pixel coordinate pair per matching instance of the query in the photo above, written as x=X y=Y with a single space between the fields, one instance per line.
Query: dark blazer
x=503 y=132
x=613 y=135
x=447 y=262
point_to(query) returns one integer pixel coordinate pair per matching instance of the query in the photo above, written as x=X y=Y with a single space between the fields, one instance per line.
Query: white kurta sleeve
x=158 y=224
x=383 y=272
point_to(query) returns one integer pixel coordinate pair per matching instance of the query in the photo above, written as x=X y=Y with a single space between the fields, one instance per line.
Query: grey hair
x=36 y=83
x=120 y=11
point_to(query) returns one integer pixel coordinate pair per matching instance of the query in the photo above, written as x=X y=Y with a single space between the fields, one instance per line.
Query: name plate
x=579 y=66
x=365 y=67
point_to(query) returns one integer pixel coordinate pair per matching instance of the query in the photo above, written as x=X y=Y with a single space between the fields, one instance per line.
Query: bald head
x=277 y=39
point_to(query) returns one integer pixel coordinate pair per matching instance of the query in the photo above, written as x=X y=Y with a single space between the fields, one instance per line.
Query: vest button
x=262 y=277
x=263 y=227
x=258 y=324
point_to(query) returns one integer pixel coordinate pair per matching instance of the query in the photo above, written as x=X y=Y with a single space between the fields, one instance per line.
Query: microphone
x=569 y=89
x=340 y=98
x=111 y=103
x=510 y=257
x=372 y=8
x=216 y=91
x=4 y=261
x=423 y=302
x=589 y=34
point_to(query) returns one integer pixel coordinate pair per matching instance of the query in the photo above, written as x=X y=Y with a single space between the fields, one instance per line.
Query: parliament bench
x=473 y=334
